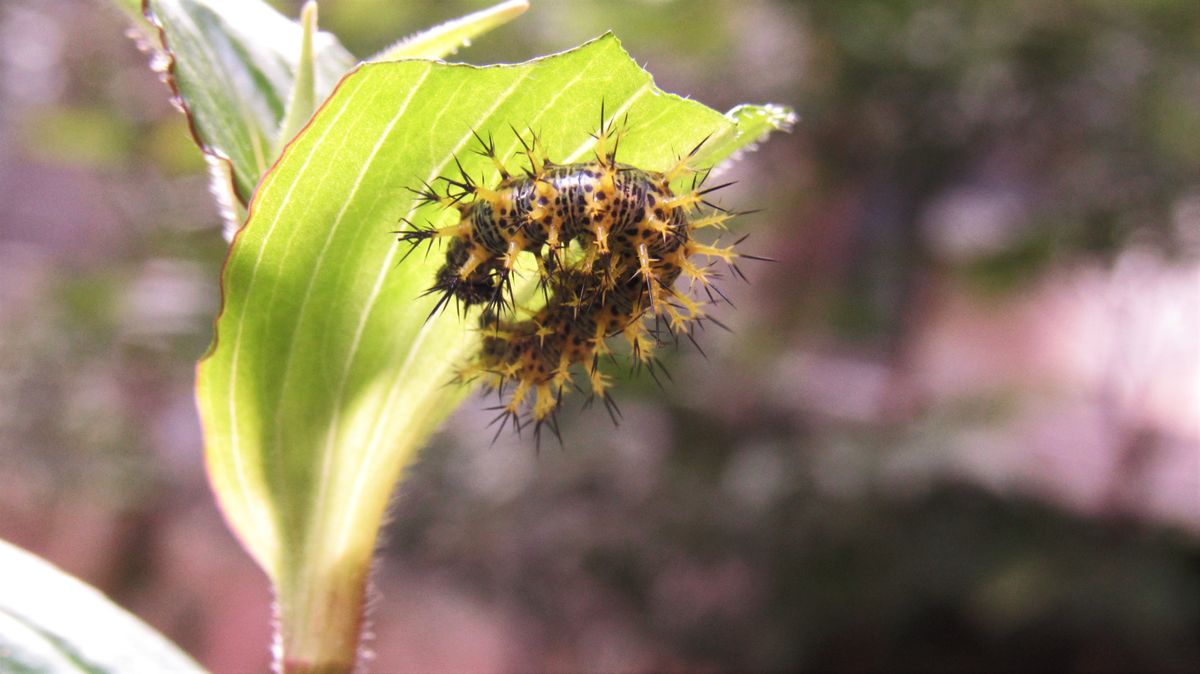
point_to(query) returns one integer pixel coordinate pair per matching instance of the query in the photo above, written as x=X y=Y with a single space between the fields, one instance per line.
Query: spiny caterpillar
x=610 y=240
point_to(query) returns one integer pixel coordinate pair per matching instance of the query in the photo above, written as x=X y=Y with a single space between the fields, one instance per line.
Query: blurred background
x=956 y=426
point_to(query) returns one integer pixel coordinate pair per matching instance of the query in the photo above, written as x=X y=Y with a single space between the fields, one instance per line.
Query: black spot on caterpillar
x=610 y=241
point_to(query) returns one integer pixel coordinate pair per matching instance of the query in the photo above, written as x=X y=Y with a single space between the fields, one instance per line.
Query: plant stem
x=320 y=620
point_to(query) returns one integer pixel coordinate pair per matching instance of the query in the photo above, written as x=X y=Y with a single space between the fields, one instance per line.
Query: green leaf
x=325 y=378
x=232 y=64
x=445 y=39
x=303 y=100
x=52 y=623
x=248 y=77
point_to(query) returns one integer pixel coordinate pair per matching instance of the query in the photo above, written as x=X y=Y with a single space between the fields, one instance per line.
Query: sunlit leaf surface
x=325 y=377
x=53 y=623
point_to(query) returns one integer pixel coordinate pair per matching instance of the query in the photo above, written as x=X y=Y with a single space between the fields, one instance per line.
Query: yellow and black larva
x=610 y=241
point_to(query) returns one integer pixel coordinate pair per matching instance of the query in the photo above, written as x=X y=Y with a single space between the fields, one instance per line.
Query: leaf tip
x=773 y=115
x=308 y=15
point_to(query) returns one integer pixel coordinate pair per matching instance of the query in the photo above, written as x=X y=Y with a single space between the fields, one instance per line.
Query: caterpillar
x=610 y=241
